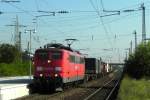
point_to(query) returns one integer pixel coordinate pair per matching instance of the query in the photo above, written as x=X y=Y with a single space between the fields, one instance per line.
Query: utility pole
x=143 y=23
x=131 y=47
x=143 y=20
x=17 y=38
x=127 y=52
x=17 y=34
x=142 y=7
x=135 y=39
x=30 y=31
x=126 y=56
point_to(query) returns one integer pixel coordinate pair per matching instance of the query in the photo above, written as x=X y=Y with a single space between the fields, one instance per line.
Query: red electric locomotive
x=55 y=66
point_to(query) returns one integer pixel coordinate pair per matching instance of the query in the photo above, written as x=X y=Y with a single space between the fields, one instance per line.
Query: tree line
x=138 y=63
x=12 y=61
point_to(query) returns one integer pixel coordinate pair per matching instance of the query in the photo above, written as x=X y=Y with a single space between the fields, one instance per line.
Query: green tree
x=138 y=63
x=8 y=53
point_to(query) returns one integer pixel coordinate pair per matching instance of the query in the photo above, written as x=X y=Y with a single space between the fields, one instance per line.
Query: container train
x=57 y=65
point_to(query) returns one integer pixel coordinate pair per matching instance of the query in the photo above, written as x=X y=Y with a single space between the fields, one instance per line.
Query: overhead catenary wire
x=81 y=29
x=104 y=10
x=46 y=3
x=104 y=27
x=27 y=12
x=37 y=5
x=32 y=15
x=102 y=5
x=76 y=29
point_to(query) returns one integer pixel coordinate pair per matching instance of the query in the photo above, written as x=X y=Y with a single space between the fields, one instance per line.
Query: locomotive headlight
x=41 y=75
x=56 y=75
x=48 y=61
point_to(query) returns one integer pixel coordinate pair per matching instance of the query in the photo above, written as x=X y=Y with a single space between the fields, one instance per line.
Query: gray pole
x=30 y=56
x=143 y=23
x=126 y=55
x=143 y=20
x=17 y=34
x=135 y=39
x=131 y=47
x=30 y=70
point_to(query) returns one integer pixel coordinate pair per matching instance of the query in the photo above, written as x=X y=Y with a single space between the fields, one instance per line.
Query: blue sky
x=82 y=23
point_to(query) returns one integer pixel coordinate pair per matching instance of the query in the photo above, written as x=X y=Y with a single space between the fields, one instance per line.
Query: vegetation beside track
x=132 y=89
x=13 y=62
x=135 y=84
x=14 y=69
x=137 y=65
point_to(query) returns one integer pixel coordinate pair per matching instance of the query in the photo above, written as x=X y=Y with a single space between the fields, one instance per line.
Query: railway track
x=109 y=89
x=102 y=87
x=105 y=92
x=37 y=96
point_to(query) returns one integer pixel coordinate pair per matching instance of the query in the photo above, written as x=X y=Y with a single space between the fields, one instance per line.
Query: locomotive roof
x=57 y=46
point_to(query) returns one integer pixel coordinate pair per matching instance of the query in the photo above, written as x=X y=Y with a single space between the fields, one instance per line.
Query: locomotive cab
x=56 y=67
x=47 y=63
x=47 y=69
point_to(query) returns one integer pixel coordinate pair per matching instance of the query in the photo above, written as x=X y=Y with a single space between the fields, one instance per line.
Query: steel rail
x=90 y=96
x=109 y=96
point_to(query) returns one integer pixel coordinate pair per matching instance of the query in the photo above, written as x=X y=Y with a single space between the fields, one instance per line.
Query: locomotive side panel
x=74 y=67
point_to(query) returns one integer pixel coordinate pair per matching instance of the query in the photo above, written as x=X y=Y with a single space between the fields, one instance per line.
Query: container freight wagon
x=93 y=68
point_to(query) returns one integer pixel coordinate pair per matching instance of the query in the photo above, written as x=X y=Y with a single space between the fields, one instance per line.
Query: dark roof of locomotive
x=57 y=46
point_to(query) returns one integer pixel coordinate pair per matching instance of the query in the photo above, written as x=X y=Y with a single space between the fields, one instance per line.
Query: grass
x=131 y=89
x=14 y=69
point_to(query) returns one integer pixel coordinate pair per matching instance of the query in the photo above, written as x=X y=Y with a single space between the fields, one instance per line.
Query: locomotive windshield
x=43 y=55
x=56 y=55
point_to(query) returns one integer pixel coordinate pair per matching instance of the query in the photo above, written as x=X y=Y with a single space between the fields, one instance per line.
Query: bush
x=14 y=69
